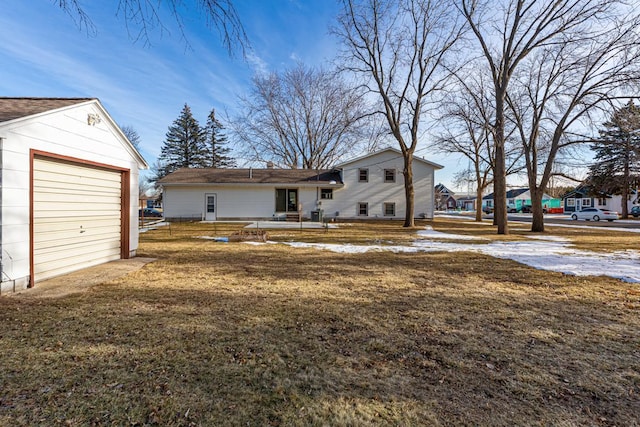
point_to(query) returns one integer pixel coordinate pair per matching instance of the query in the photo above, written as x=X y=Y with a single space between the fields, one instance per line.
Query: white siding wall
x=64 y=133
x=376 y=192
x=258 y=202
x=233 y=201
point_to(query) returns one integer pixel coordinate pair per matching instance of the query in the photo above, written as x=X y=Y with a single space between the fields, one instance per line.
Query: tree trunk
x=624 y=213
x=500 y=177
x=408 y=189
x=479 y=204
x=537 y=222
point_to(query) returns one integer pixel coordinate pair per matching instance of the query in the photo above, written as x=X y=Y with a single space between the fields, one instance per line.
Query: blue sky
x=44 y=54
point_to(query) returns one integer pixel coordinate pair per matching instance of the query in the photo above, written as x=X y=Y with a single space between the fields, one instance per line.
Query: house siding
x=64 y=133
x=233 y=201
x=257 y=201
x=376 y=192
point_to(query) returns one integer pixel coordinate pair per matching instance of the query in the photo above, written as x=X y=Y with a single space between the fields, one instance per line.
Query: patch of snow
x=429 y=232
x=550 y=253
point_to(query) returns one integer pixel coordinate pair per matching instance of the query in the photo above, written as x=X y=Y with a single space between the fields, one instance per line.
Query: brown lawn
x=233 y=334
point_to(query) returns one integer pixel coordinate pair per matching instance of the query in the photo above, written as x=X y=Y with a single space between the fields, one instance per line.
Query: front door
x=578 y=204
x=210 y=207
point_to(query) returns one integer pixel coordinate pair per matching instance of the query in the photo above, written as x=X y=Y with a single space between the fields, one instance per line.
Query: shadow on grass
x=236 y=335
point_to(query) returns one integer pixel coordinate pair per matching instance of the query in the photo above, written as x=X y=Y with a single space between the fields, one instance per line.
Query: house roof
x=15 y=108
x=510 y=194
x=394 y=150
x=251 y=176
x=440 y=188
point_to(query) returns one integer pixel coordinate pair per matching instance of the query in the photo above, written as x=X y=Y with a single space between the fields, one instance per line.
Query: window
x=389 y=209
x=602 y=201
x=586 y=202
x=286 y=200
x=571 y=202
x=389 y=175
x=326 y=193
x=363 y=209
x=363 y=175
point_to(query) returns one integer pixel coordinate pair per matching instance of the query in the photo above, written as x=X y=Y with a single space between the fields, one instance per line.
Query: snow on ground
x=542 y=252
x=429 y=232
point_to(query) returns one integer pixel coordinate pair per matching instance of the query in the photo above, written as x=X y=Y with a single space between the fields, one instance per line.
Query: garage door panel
x=78 y=252
x=61 y=239
x=71 y=181
x=51 y=169
x=97 y=209
x=58 y=224
x=76 y=217
x=55 y=268
x=75 y=197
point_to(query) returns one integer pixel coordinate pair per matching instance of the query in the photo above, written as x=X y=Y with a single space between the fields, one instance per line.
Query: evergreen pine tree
x=617 y=155
x=184 y=145
x=217 y=152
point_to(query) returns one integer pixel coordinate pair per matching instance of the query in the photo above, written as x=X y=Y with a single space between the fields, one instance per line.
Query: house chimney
x=269 y=165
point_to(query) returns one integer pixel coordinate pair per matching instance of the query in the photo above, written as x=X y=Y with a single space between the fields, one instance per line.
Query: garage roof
x=250 y=176
x=15 y=108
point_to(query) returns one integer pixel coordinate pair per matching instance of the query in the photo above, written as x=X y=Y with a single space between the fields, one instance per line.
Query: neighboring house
x=371 y=186
x=466 y=202
x=520 y=197
x=581 y=197
x=69 y=189
x=444 y=198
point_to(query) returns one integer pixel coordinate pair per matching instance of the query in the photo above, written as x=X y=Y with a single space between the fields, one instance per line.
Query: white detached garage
x=69 y=189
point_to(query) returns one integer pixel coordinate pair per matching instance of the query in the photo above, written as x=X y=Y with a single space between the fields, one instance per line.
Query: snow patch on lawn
x=550 y=253
x=429 y=232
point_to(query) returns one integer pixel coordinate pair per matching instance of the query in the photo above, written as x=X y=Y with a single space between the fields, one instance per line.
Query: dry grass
x=233 y=334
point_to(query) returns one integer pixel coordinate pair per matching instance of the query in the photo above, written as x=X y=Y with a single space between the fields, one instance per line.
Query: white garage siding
x=77 y=217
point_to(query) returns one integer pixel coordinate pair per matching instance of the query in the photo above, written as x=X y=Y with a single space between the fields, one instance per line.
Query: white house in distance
x=367 y=187
x=69 y=189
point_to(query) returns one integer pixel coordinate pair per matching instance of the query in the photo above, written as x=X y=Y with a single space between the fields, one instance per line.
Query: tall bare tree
x=507 y=33
x=141 y=17
x=467 y=130
x=301 y=118
x=399 y=48
x=561 y=87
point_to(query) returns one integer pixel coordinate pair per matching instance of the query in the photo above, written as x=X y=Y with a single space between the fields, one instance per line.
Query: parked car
x=149 y=213
x=526 y=209
x=487 y=209
x=595 y=214
x=635 y=211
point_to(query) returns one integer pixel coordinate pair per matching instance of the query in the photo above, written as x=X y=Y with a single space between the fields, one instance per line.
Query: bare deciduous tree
x=301 y=118
x=399 y=48
x=466 y=121
x=507 y=34
x=132 y=135
x=143 y=16
x=562 y=86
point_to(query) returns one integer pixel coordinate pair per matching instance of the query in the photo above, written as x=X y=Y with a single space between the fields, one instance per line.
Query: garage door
x=76 y=217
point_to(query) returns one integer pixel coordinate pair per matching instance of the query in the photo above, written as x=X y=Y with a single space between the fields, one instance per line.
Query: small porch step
x=293 y=216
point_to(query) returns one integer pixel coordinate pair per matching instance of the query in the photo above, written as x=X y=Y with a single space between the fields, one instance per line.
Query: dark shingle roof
x=510 y=194
x=250 y=176
x=14 y=108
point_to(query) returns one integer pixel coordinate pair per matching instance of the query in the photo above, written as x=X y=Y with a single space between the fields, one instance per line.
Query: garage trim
x=124 y=200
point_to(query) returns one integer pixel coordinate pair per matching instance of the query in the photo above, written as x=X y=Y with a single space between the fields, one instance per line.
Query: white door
x=210 y=207
x=77 y=216
x=578 y=205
